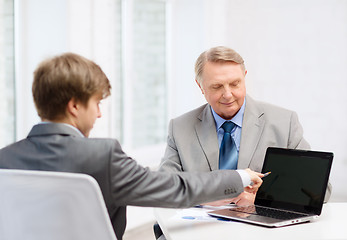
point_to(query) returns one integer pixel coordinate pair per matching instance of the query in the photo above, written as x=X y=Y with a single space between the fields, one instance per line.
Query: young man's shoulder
x=93 y=142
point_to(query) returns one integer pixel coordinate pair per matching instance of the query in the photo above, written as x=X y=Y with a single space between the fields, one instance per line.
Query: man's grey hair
x=217 y=54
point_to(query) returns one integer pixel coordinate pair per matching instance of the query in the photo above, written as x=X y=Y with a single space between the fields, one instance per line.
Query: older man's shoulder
x=195 y=113
x=268 y=108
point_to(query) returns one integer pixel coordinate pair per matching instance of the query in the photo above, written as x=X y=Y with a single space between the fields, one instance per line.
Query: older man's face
x=223 y=85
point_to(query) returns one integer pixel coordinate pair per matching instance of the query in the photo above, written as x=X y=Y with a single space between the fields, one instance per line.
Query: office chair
x=40 y=205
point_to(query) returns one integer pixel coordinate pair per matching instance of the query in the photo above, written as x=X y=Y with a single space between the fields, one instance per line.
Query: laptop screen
x=297 y=182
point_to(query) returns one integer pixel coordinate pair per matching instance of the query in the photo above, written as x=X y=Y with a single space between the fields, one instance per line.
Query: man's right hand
x=255 y=179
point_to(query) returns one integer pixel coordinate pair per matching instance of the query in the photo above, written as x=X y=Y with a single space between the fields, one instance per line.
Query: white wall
x=187 y=30
x=45 y=28
x=296 y=55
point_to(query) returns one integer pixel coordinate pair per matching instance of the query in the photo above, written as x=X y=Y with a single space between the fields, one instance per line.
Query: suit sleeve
x=132 y=184
x=171 y=161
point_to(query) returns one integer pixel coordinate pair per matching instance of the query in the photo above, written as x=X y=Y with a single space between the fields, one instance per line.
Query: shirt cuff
x=246 y=179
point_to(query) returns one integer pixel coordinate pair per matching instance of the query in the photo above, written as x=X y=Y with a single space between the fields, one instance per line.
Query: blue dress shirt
x=236 y=132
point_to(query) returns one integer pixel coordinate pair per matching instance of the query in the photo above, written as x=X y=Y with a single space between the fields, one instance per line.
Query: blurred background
x=295 y=53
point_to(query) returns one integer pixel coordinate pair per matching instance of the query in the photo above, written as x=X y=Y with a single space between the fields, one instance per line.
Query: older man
x=197 y=139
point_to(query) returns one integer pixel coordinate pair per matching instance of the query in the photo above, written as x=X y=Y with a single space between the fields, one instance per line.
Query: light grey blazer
x=57 y=147
x=192 y=143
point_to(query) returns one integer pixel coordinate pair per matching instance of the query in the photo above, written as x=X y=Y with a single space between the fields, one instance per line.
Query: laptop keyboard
x=268 y=212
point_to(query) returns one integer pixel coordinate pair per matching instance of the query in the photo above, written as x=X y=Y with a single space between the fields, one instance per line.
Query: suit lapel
x=207 y=136
x=252 y=128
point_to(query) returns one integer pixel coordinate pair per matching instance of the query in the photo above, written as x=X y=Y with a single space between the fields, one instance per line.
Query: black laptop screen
x=298 y=180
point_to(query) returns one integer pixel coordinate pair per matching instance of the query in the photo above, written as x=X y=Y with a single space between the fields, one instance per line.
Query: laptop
x=293 y=192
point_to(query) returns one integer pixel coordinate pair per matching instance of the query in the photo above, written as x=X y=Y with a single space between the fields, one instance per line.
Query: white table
x=332 y=224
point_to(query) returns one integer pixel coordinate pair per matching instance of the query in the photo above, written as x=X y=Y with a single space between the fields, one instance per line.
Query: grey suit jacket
x=57 y=147
x=192 y=143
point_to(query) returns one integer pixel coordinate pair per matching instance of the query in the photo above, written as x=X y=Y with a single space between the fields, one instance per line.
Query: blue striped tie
x=228 y=154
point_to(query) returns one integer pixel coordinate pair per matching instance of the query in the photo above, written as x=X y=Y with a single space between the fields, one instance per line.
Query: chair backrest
x=40 y=205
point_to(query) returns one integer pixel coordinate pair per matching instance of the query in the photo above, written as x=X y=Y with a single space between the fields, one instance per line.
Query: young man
x=67 y=90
